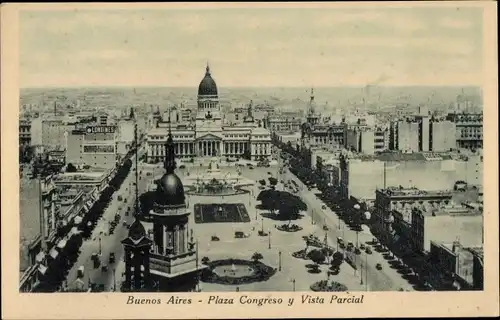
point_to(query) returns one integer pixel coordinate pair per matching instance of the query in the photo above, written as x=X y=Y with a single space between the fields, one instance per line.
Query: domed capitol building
x=208 y=135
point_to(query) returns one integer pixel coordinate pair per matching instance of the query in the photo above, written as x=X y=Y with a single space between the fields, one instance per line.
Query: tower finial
x=170 y=148
x=312 y=94
x=208 y=69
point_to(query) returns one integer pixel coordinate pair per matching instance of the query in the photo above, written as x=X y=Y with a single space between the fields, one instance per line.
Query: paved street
x=386 y=279
x=109 y=243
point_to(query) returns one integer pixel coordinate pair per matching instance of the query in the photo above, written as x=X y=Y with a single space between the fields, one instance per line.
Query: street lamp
x=262 y=223
x=269 y=237
x=293 y=282
x=100 y=248
x=114 y=280
x=279 y=261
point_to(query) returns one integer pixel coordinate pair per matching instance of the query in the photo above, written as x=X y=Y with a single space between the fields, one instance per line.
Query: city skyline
x=306 y=47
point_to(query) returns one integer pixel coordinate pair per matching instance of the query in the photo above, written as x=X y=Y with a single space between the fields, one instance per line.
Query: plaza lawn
x=220 y=212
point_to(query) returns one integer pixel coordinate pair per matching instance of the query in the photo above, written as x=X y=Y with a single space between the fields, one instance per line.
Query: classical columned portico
x=208 y=148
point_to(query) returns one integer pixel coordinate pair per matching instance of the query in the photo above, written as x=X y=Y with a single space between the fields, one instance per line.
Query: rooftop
x=412 y=192
x=77 y=176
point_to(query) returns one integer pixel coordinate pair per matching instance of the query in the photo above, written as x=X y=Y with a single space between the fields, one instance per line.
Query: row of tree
x=105 y=197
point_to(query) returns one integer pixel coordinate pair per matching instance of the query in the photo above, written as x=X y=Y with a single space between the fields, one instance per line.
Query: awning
x=61 y=244
x=40 y=256
x=42 y=269
x=53 y=253
x=74 y=231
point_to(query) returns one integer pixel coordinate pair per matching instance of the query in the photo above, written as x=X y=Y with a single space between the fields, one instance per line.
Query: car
x=104 y=267
x=368 y=250
x=357 y=251
x=362 y=246
x=323 y=207
x=112 y=257
x=251 y=168
x=378 y=266
x=182 y=166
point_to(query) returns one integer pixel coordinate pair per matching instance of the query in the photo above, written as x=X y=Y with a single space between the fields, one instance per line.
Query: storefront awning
x=77 y=220
x=40 y=256
x=74 y=231
x=61 y=244
x=42 y=269
x=53 y=253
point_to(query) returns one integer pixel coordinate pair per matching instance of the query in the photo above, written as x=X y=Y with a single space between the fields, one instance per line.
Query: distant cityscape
x=285 y=189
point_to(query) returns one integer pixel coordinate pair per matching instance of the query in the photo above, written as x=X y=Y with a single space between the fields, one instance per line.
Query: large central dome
x=207 y=86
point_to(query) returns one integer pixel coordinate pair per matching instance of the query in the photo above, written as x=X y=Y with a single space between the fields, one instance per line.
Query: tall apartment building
x=469 y=129
x=53 y=131
x=366 y=140
x=24 y=132
x=95 y=146
x=421 y=134
x=442 y=136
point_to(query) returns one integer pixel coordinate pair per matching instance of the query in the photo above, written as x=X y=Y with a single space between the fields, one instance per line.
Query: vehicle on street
x=357 y=251
x=460 y=185
x=80 y=272
x=362 y=246
x=182 y=166
x=378 y=266
x=340 y=240
x=323 y=207
x=368 y=250
x=95 y=260
x=112 y=257
x=251 y=168
x=104 y=267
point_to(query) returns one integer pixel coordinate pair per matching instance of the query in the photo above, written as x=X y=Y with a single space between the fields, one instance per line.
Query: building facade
x=207 y=135
x=396 y=204
x=24 y=132
x=446 y=225
x=469 y=129
x=282 y=123
x=95 y=146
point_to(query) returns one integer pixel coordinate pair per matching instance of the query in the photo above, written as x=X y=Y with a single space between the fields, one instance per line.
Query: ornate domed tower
x=174 y=254
x=137 y=247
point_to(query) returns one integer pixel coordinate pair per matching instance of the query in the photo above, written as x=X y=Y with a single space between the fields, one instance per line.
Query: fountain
x=215 y=183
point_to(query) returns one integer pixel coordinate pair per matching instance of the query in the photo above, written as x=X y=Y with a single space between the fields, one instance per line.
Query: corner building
x=208 y=136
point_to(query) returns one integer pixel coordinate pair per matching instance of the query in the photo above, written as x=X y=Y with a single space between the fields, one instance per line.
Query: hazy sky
x=252 y=47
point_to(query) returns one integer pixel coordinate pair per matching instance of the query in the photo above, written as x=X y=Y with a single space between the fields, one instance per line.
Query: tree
x=328 y=252
x=336 y=261
x=337 y=286
x=272 y=200
x=273 y=181
x=288 y=211
x=257 y=256
x=316 y=256
x=70 y=168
